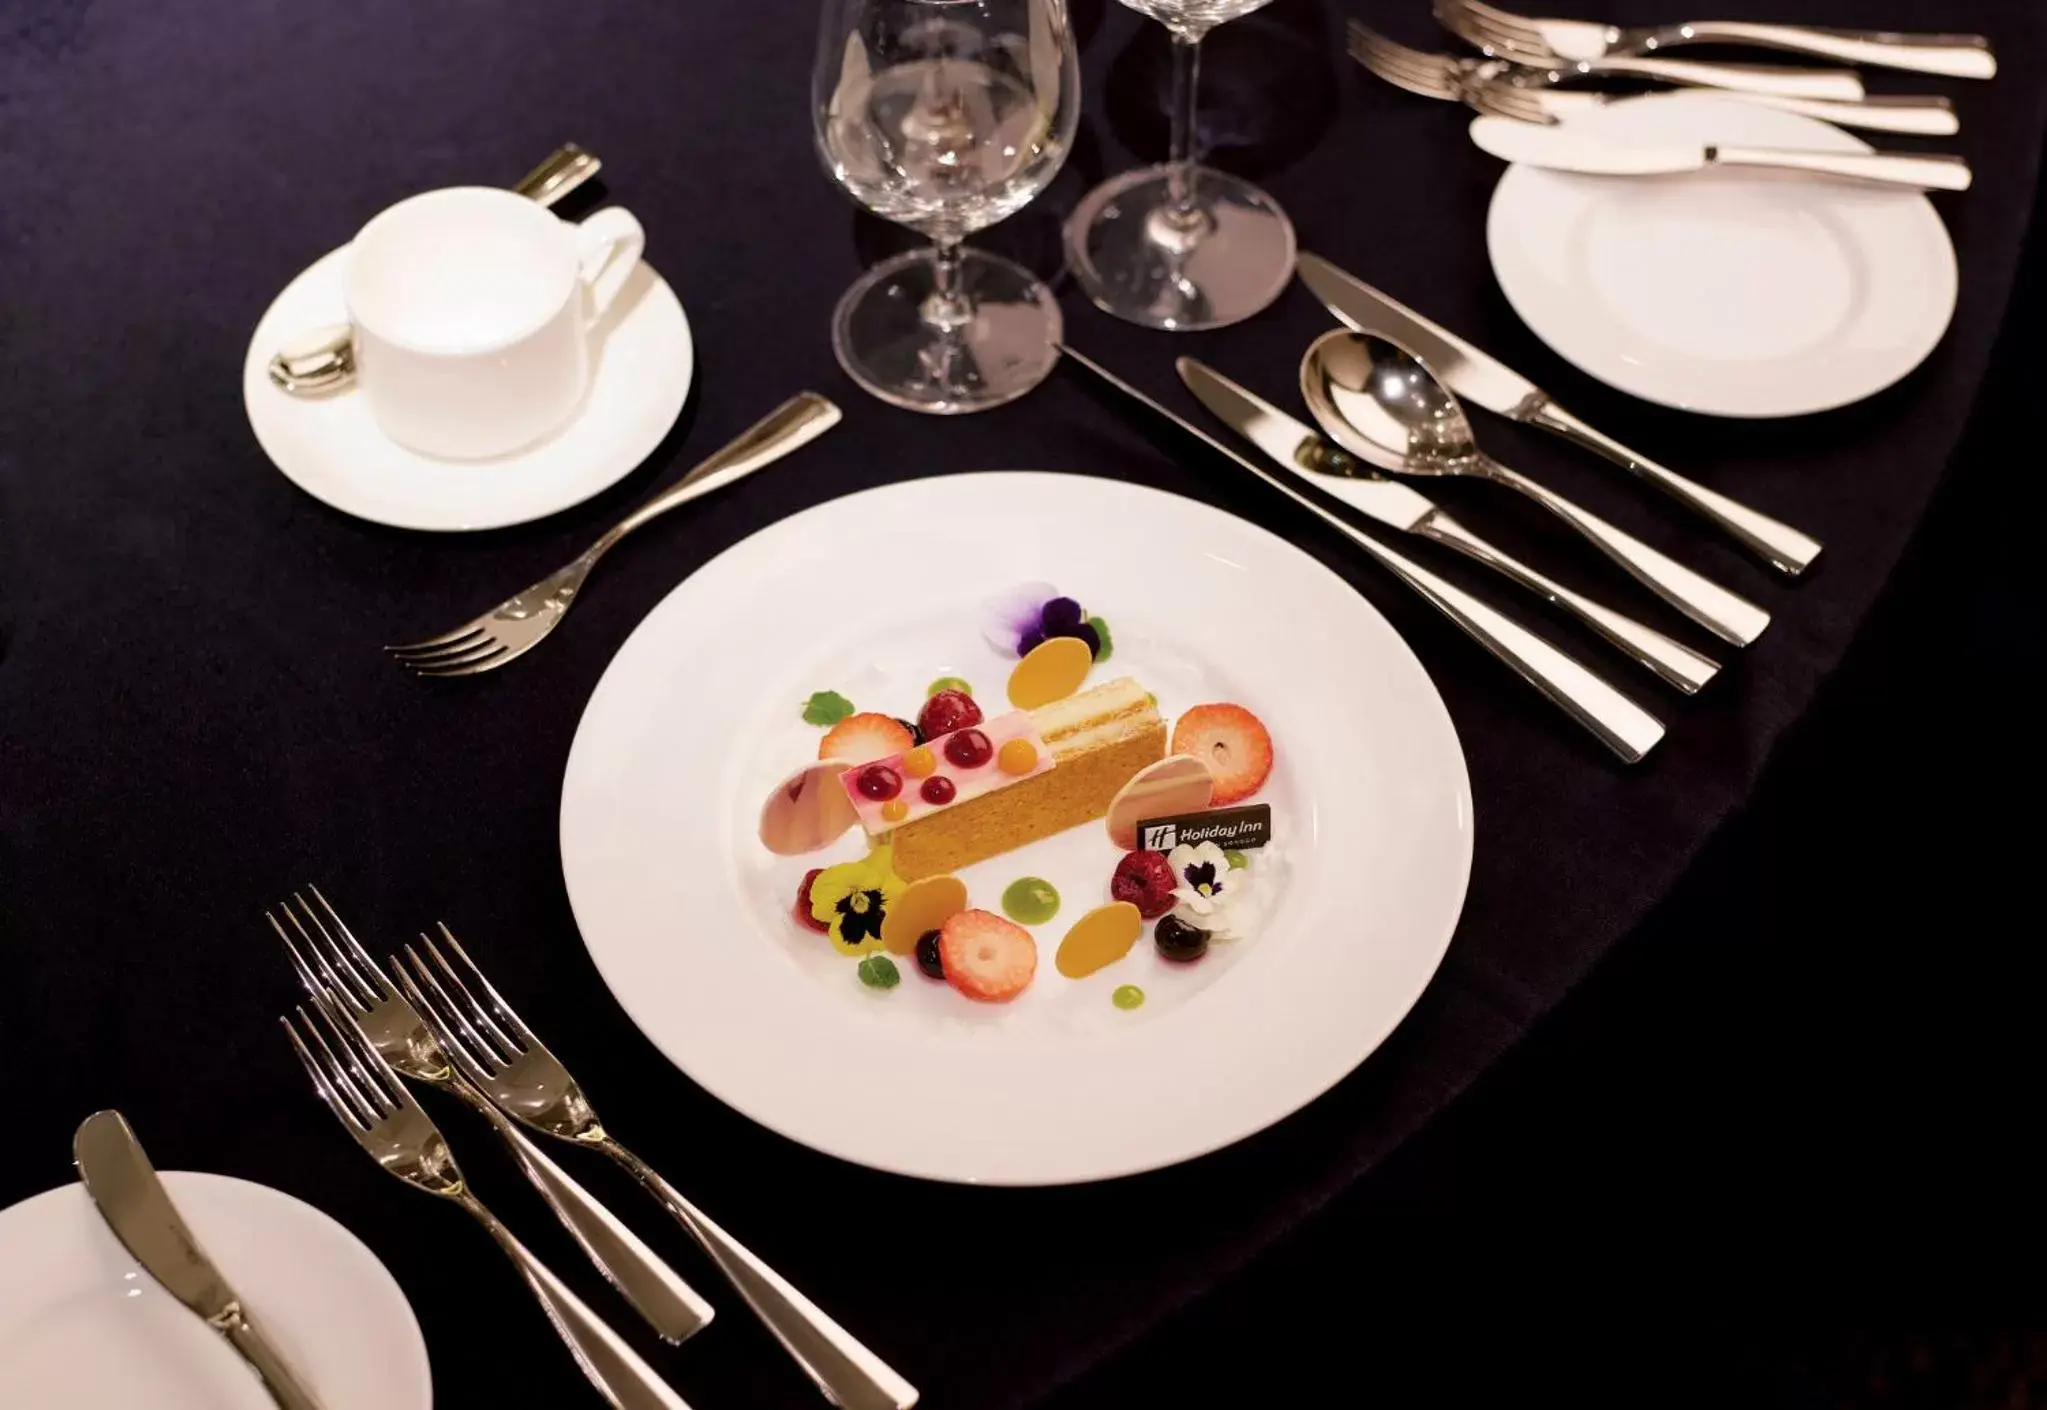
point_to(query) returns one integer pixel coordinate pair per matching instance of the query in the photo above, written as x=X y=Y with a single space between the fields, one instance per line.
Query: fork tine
x=1429 y=85
x=1489 y=28
x=377 y=1078
x=355 y=957
x=444 y=639
x=1505 y=100
x=1383 y=56
x=443 y=1028
x=339 y=1082
x=474 y=1046
x=448 y=655
x=483 y=1013
x=488 y=662
x=309 y=981
x=321 y=1085
x=336 y=983
x=505 y=1011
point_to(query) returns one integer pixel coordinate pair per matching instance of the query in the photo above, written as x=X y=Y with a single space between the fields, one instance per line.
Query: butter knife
x=1478 y=376
x=1614 y=719
x=1292 y=444
x=133 y=1201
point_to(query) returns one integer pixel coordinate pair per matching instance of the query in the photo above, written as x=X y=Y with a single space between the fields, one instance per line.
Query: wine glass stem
x=946 y=309
x=1180 y=160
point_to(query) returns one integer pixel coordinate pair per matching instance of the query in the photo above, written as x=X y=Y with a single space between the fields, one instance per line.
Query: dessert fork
x=519 y=623
x=336 y=970
x=1504 y=37
x=500 y=1054
x=1955 y=55
x=367 y=1098
x=1496 y=87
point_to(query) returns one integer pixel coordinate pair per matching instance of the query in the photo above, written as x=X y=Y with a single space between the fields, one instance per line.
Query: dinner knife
x=1293 y=445
x=1480 y=377
x=1614 y=719
x=1568 y=147
x=133 y=1201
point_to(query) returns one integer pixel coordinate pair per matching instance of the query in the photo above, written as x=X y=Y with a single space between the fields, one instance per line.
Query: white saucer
x=83 y=1327
x=1726 y=292
x=331 y=447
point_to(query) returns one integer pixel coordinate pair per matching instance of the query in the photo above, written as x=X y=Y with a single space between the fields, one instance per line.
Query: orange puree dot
x=1019 y=756
x=920 y=762
x=895 y=810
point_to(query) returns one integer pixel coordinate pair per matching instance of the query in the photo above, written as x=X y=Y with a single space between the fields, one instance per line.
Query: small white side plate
x=330 y=446
x=1725 y=292
x=82 y=1326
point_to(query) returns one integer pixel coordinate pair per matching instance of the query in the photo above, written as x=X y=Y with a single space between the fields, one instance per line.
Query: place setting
x=1048 y=794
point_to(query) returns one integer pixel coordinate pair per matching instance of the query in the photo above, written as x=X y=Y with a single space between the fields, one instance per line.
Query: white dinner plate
x=642 y=360
x=688 y=917
x=1726 y=292
x=83 y=1327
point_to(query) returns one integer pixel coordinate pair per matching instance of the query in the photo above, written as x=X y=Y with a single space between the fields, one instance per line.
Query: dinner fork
x=518 y=624
x=1494 y=32
x=500 y=1054
x=367 y=1098
x=1537 y=95
x=333 y=966
x=1955 y=55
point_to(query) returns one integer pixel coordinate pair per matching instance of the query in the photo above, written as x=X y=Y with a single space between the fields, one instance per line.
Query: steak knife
x=1291 y=444
x=1478 y=376
x=137 y=1208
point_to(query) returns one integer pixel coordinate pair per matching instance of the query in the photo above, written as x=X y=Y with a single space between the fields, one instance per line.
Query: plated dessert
x=1177 y=844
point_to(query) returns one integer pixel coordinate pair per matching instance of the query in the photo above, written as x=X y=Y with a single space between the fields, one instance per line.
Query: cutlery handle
x=621 y=1377
x=1727 y=615
x=797 y=421
x=1781 y=546
x=1940 y=171
x=670 y=1305
x=848 y=1373
x=1955 y=55
x=567 y=167
x=1675 y=662
x=1837 y=84
x=1924 y=115
x=278 y=1378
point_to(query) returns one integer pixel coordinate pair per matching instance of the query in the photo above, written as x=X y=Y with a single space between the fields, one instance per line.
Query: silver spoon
x=1381 y=403
x=323 y=359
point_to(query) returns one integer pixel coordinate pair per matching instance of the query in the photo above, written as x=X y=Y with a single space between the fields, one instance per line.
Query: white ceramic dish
x=642 y=360
x=687 y=915
x=82 y=1326
x=1730 y=293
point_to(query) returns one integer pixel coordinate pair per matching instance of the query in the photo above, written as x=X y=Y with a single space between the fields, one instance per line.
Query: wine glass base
x=1135 y=259
x=1004 y=347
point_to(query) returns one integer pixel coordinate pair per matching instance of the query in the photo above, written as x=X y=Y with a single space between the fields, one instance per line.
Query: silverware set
x=1540 y=72
x=1383 y=390
x=431 y=1016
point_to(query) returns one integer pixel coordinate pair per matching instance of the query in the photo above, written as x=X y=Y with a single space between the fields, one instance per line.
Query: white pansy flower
x=1230 y=903
x=1201 y=877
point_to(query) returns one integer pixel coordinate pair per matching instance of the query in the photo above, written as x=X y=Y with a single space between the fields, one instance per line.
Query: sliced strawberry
x=1234 y=745
x=986 y=957
x=803 y=901
x=858 y=738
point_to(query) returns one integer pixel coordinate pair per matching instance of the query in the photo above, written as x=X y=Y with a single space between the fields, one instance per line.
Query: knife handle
x=1925 y=115
x=1931 y=171
x=1778 y=544
x=278 y=1378
x=1675 y=662
x=1955 y=55
x=1839 y=85
x=1618 y=722
x=1727 y=615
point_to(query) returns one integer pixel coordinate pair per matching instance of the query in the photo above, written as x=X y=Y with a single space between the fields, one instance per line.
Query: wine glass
x=946 y=116
x=1181 y=246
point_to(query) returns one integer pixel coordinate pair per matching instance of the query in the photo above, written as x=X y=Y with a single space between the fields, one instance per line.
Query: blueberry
x=1030 y=641
x=927 y=955
x=1177 y=940
x=1060 y=616
x=1089 y=635
x=916 y=730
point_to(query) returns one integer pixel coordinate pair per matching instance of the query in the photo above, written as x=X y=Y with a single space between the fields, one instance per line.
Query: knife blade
x=1480 y=377
x=1297 y=447
x=1568 y=147
x=130 y=1197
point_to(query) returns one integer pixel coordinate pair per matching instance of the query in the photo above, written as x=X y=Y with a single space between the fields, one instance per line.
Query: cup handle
x=609 y=245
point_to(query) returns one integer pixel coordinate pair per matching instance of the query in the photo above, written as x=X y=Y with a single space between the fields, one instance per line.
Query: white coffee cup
x=472 y=309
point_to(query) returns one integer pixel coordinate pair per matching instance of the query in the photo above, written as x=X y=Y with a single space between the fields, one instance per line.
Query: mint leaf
x=826 y=708
x=879 y=972
x=1102 y=630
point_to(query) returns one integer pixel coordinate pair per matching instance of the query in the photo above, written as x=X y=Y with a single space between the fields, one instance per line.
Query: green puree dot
x=1237 y=860
x=1127 y=996
x=1030 y=900
x=947 y=683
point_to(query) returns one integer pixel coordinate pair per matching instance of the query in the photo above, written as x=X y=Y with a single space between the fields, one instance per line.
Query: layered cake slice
x=1009 y=782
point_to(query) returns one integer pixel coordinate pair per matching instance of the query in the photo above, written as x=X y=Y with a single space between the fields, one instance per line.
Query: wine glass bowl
x=1181 y=246
x=945 y=116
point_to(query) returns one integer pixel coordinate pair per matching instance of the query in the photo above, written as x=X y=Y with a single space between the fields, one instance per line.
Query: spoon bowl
x=1382 y=404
